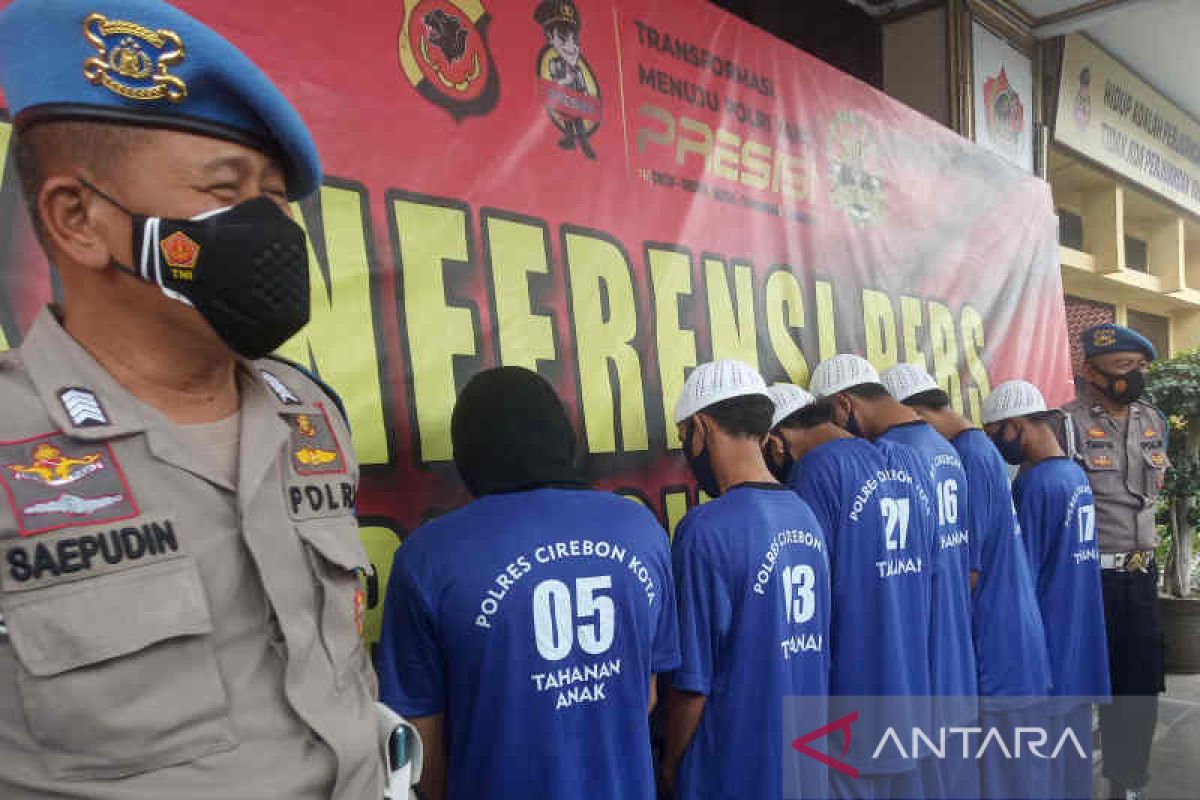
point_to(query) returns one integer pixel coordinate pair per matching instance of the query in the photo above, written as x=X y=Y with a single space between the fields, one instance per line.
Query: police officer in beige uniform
x=179 y=558
x=1121 y=441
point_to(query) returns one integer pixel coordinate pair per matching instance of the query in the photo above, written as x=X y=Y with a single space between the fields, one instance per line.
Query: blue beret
x=1110 y=338
x=143 y=62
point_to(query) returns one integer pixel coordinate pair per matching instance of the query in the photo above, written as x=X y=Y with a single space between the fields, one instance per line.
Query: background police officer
x=1121 y=442
x=178 y=548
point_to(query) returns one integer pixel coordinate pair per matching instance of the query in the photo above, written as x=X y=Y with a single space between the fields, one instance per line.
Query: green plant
x=1174 y=386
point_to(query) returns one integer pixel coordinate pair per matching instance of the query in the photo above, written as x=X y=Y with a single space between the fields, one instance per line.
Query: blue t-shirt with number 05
x=533 y=621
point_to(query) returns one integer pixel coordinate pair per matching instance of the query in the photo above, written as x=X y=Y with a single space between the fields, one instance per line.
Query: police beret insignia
x=134 y=61
x=1105 y=337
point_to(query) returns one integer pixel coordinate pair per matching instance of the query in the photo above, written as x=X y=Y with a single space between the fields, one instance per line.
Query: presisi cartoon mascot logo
x=445 y=56
x=855 y=185
x=570 y=92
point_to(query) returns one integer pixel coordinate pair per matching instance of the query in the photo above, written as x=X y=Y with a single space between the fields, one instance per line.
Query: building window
x=1155 y=328
x=1070 y=229
x=1137 y=254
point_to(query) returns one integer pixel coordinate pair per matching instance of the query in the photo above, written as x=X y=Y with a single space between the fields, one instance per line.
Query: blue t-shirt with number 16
x=533 y=621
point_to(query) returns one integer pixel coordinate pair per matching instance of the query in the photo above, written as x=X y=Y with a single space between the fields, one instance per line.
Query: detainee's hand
x=666 y=783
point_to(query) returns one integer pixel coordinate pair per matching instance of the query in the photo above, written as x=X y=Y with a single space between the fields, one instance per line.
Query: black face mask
x=701 y=465
x=851 y=426
x=244 y=268
x=1010 y=449
x=1123 y=388
x=782 y=470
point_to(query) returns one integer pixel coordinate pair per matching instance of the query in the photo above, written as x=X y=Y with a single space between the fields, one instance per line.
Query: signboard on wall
x=1003 y=97
x=1111 y=116
x=649 y=185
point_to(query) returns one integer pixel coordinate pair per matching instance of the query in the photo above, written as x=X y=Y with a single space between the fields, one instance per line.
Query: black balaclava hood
x=511 y=433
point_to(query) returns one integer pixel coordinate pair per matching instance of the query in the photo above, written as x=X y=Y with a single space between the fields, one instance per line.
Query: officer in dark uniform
x=560 y=22
x=1121 y=441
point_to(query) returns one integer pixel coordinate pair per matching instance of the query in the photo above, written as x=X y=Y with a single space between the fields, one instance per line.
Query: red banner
x=610 y=197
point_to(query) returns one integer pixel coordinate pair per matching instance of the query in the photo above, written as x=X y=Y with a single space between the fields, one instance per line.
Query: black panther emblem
x=447 y=34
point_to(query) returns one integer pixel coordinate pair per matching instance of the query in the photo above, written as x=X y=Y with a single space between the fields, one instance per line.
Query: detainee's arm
x=432 y=785
x=705 y=616
x=412 y=681
x=684 y=710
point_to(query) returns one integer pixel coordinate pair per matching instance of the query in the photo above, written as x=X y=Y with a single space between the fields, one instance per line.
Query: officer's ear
x=76 y=224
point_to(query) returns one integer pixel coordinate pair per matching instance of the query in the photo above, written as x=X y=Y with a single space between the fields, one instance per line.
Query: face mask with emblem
x=243 y=268
x=1123 y=388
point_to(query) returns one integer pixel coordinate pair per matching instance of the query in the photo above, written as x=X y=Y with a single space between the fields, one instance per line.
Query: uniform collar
x=86 y=402
x=81 y=397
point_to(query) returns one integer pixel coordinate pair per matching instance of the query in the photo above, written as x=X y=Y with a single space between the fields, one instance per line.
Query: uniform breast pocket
x=117 y=672
x=1157 y=462
x=337 y=558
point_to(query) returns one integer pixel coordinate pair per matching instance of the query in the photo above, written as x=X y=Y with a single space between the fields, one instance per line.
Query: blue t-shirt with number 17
x=1058 y=518
x=752 y=581
x=533 y=621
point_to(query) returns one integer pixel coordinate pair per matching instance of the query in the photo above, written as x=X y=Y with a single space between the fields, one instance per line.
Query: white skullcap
x=788 y=399
x=1012 y=399
x=905 y=380
x=716 y=381
x=840 y=373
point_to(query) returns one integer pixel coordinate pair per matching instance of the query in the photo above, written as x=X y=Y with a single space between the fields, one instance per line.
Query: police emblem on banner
x=1005 y=114
x=854 y=183
x=53 y=481
x=315 y=448
x=568 y=86
x=445 y=56
x=134 y=61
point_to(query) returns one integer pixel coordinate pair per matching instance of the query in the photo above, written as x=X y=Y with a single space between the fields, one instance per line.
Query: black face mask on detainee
x=244 y=268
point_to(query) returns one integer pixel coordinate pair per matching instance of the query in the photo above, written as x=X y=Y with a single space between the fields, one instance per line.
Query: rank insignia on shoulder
x=83 y=407
x=315 y=448
x=279 y=388
x=36 y=473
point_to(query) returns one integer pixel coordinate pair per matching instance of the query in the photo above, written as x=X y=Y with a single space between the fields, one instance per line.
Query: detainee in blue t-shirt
x=1058 y=518
x=862 y=405
x=522 y=632
x=752 y=581
x=1010 y=642
x=878 y=523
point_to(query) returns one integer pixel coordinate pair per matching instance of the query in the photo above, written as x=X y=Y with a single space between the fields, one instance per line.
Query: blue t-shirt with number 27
x=533 y=621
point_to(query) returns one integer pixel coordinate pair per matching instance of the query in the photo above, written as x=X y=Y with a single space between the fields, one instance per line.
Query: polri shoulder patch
x=315 y=448
x=82 y=407
x=53 y=482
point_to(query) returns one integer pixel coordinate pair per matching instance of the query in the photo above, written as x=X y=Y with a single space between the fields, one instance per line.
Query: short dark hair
x=748 y=415
x=48 y=146
x=868 y=391
x=810 y=416
x=937 y=399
